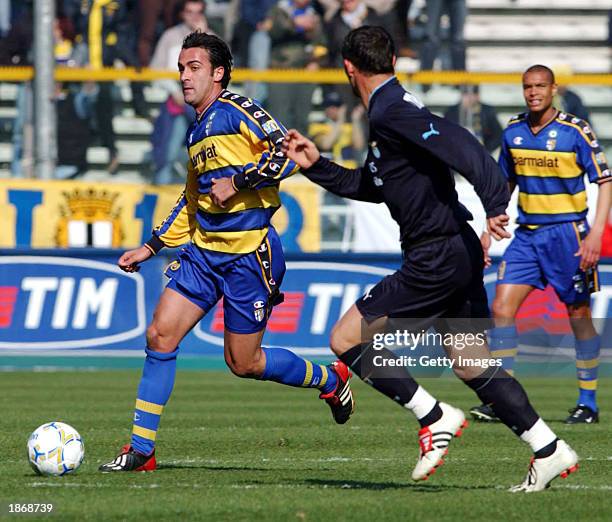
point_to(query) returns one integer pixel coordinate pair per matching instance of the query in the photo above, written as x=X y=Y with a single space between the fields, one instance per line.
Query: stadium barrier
x=322 y=76
x=77 y=302
x=63 y=214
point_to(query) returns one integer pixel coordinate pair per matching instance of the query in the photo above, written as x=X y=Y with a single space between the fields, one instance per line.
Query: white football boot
x=434 y=440
x=543 y=471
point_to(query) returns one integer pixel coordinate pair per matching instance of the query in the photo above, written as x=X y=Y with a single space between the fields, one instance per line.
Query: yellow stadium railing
x=323 y=76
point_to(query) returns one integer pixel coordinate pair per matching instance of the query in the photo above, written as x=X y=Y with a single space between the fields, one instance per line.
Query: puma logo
x=431 y=132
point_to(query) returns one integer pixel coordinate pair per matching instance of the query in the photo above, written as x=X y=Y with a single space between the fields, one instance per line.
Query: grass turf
x=230 y=449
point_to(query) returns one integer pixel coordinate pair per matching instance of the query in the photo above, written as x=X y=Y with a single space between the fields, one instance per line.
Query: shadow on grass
x=362 y=484
x=195 y=465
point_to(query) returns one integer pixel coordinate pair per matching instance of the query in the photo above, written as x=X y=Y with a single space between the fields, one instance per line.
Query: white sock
x=538 y=436
x=421 y=403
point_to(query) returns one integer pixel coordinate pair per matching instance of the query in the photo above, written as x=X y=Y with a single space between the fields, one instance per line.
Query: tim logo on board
x=60 y=303
x=316 y=296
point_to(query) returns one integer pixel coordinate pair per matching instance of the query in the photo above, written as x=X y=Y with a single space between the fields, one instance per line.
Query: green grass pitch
x=231 y=449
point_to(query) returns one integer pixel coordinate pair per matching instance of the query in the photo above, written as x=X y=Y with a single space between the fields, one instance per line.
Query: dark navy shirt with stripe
x=409 y=164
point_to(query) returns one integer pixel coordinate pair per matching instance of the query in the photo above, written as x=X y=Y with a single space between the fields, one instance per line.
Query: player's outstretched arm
x=346 y=183
x=300 y=149
x=130 y=260
x=496 y=226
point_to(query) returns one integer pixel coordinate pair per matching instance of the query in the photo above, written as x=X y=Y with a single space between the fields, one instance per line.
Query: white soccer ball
x=55 y=448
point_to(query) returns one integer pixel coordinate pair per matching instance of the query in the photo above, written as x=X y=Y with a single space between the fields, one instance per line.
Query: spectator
x=252 y=17
x=572 y=103
x=568 y=100
x=98 y=27
x=174 y=116
x=149 y=13
x=16 y=48
x=296 y=35
x=74 y=105
x=457 y=12
x=480 y=119
x=352 y=14
x=401 y=29
x=338 y=140
x=252 y=43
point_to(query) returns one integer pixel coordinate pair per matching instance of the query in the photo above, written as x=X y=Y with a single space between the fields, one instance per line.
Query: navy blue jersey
x=408 y=167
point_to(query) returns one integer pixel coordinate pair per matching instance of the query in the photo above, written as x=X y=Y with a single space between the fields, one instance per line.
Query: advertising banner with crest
x=77 y=214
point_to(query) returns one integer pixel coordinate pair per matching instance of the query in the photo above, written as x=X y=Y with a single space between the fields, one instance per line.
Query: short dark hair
x=541 y=68
x=370 y=49
x=218 y=51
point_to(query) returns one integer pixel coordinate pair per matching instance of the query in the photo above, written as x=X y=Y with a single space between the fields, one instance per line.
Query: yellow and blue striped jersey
x=233 y=138
x=549 y=168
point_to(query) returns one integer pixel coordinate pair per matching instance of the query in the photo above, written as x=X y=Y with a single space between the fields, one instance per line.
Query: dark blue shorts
x=546 y=255
x=243 y=281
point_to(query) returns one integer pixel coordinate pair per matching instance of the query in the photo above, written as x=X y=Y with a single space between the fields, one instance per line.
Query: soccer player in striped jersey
x=230 y=250
x=546 y=153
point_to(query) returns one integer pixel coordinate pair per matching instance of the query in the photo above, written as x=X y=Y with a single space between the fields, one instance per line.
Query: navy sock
x=393 y=381
x=507 y=398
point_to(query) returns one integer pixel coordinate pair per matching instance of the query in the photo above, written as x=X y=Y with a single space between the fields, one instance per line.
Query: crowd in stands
x=303 y=34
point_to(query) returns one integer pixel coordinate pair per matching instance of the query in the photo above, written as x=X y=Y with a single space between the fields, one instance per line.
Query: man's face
x=193 y=15
x=350 y=5
x=538 y=90
x=198 y=79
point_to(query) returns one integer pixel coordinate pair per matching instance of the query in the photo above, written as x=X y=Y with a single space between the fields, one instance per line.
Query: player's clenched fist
x=300 y=149
x=130 y=260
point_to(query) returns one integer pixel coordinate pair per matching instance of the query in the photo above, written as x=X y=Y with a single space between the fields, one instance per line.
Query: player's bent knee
x=245 y=370
x=338 y=341
x=501 y=308
x=157 y=341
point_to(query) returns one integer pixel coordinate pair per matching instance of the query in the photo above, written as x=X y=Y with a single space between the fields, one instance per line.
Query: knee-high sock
x=503 y=342
x=153 y=393
x=511 y=404
x=394 y=381
x=587 y=365
x=288 y=368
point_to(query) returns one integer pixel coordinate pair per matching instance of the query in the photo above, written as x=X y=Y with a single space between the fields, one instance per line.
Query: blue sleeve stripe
x=537 y=185
x=170 y=219
x=252 y=219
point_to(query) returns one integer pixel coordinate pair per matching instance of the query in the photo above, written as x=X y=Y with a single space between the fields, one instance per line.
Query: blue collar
x=378 y=87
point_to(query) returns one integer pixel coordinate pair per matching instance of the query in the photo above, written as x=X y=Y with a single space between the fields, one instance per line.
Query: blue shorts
x=546 y=255
x=248 y=283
